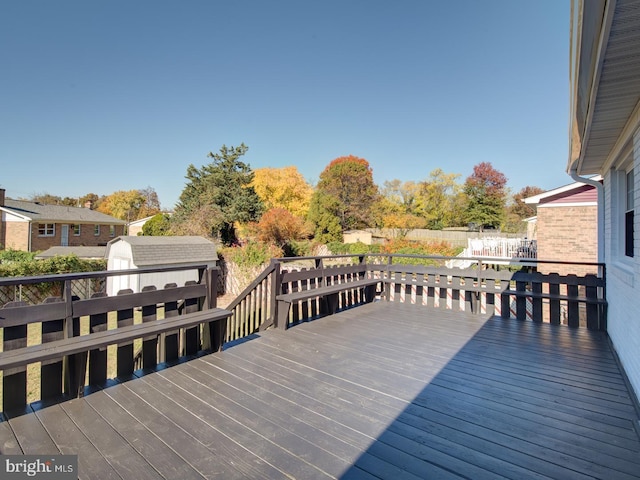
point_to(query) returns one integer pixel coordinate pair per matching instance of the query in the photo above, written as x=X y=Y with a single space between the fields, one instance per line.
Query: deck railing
x=482 y=287
x=572 y=300
x=62 y=319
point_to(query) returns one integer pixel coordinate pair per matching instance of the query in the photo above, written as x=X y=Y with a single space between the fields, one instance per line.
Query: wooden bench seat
x=84 y=343
x=344 y=278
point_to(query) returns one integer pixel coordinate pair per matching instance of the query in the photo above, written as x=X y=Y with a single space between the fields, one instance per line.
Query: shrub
x=253 y=254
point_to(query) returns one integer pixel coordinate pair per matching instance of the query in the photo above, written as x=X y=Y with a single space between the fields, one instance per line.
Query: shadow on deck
x=384 y=390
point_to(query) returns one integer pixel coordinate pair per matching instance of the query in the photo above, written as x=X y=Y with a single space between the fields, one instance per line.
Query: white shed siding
x=623 y=278
x=160 y=279
x=120 y=259
x=145 y=252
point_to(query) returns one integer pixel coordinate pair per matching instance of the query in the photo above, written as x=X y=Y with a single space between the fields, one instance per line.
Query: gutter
x=573 y=172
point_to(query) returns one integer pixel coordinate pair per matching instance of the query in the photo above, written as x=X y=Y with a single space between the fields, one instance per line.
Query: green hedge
x=14 y=263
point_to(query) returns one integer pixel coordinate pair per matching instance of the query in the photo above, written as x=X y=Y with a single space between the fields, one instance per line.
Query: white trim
x=9 y=211
x=569 y=204
x=557 y=191
x=601 y=49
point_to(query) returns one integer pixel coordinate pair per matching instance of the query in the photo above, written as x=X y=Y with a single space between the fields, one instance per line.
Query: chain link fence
x=36 y=293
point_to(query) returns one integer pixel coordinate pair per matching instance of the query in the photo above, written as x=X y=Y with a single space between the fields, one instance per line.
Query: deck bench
x=84 y=343
x=351 y=277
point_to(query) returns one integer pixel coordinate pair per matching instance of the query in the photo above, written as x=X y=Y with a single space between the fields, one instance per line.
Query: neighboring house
x=135 y=228
x=605 y=139
x=129 y=252
x=32 y=226
x=87 y=253
x=566 y=227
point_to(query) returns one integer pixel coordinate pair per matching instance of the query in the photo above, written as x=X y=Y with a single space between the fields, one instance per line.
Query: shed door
x=122 y=281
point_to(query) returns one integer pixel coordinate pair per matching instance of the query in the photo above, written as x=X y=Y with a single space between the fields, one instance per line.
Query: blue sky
x=97 y=97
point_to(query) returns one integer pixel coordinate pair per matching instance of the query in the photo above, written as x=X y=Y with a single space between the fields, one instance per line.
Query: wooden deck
x=384 y=390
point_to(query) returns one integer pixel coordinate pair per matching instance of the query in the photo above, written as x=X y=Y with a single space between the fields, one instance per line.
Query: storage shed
x=129 y=252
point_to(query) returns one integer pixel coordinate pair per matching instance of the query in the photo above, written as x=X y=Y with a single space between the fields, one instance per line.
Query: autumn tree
x=343 y=198
x=151 y=204
x=217 y=196
x=280 y=227
x=123 y=204
x=486 y=196
x=49 y=199
x=519 y=208
x=396 y=208
x=437 y=200
x=283 y=188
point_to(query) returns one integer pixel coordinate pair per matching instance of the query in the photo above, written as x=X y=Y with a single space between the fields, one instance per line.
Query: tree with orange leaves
x=343 y=198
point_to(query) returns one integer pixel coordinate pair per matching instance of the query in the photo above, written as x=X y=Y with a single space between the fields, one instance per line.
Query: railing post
x=214 y=333
x=279 y=319
x=74 y=366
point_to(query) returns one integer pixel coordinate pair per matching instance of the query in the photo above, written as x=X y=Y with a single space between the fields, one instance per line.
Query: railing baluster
x=14 y=380
x=124 y=361
x=536 y=289
x=98 y=356
x=554 y=302
x=573 y=309
x=51 y=380
x=171 y=339
x=149 y=344
x=191 y=335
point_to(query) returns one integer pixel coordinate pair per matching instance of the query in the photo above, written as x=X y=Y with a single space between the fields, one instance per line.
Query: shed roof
x=165 y=250
x=58 y=213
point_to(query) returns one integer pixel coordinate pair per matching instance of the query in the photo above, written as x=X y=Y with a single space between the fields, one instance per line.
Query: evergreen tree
x=217 y=196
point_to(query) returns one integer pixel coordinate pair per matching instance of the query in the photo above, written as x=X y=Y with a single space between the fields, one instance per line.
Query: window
x=628 y=214
x=46 y=229
x=112 y=230
x=76 y=230
x=96 y=230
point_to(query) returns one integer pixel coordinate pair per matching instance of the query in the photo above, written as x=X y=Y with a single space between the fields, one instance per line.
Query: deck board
x=385 y=390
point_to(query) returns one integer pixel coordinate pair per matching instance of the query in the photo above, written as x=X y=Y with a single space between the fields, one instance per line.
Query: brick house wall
x=16 y=235
x=86 y=237
x=568 y=233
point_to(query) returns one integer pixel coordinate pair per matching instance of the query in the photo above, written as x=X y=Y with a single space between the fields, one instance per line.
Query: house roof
x=80 y=252
x=605 y=92
x=165 y=250
x=572 y=189
x=57 y=213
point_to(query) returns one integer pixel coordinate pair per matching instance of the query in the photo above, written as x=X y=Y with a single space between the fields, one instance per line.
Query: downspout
x=573 y=172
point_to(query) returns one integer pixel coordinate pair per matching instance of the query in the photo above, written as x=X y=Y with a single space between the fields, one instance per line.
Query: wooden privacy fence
x=75 y=340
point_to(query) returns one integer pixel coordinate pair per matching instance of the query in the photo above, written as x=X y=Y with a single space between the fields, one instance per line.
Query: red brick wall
x=568 y=234
x=86 y=237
